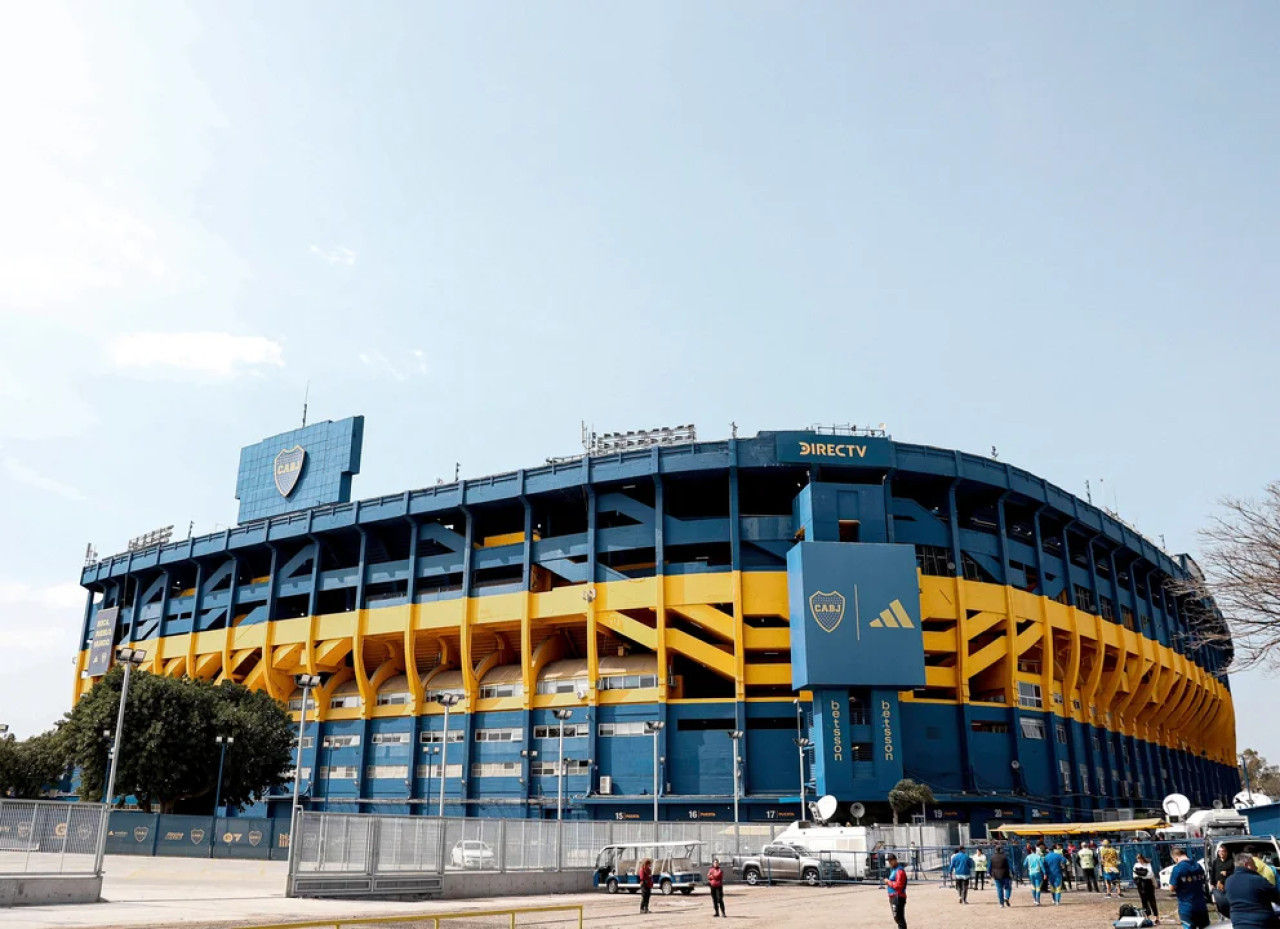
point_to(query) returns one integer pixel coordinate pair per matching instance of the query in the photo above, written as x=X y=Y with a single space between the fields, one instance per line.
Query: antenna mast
x=305 y=397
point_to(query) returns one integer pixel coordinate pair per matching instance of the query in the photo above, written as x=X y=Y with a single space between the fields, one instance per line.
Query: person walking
x=646 y=883
x=1144 y=879
x=1054 y=866
x=961 y=871
x=896 y=886
x=1187 y=882
x=1110 y=856
x=1088 y=860
x=1069 y=869
x=1034 y=863
x=715 y=880
x=1251 y=897
x=1220 y=869
x=1002 y=875
x=979 y=869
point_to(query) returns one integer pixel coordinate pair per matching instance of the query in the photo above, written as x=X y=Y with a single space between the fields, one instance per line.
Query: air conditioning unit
x=606 y=784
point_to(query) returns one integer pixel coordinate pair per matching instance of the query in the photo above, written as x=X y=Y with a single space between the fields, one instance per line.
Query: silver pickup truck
x=783 y=863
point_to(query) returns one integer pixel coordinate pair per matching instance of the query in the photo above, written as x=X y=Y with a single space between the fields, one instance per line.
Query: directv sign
x=850 y=451
x=855 y=616
x=297 y=470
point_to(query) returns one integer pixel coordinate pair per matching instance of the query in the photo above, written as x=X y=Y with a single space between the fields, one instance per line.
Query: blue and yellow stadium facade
x=1060 y=676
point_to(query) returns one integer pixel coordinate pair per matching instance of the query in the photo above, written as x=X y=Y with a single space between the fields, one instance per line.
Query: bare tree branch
x=1241 y=574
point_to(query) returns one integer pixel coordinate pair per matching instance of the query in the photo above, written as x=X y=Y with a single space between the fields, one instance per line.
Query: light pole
x=130 y=658
x=561 y=715
x=427 y=752
x=306 y=682
x=735 y=735
x=446 y=700
x=800 y=738
x=653 y=727
x=801 y=744
x=223 y=741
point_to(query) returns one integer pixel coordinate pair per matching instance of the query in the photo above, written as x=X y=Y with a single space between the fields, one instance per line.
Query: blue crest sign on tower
x=297 y=470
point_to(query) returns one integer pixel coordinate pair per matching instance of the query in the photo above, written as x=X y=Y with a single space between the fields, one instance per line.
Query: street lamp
x=223 y=741
x=801 y=744
x=446 y=700
x=306 y=682
x=800 y=737
x=561 y=715
x=130 y=658
x=427 y=752
x=653 y=727
x=736 y=735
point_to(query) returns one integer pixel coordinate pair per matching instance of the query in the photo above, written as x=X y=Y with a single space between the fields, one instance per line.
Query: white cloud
x=24 y=474
x=335 y=255
x=218 y=353
x=421 y=359
x=50 y=597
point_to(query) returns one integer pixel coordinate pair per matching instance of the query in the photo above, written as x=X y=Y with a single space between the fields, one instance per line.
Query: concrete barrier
x=460 y=885
x=22 y=890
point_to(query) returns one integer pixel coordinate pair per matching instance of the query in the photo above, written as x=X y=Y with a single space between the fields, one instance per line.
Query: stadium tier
x=840 y=609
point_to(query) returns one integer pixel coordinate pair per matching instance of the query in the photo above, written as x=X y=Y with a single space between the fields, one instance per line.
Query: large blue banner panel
x=855 y=616
x=297 y=470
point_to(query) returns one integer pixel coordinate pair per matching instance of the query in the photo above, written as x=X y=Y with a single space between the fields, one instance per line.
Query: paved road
x=228 y=893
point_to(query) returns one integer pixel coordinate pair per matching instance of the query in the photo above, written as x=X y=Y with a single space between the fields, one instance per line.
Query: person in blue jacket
x=1055 y=864
x=961 y=872
x=1187 y=880
x=1251 y=896
x=1034 y=865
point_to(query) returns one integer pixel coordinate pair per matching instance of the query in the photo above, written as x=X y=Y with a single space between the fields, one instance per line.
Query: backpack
x=1127 y=909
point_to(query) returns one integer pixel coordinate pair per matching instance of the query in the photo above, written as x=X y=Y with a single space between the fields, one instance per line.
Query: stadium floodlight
x=448 y=700
x=736 y=735
x=223 y=741
x=306 y=682
x=653 y=727
x=130 y=658
x=4 y=728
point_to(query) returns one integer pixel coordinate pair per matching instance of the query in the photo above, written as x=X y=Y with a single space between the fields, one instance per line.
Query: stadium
x=836 y=609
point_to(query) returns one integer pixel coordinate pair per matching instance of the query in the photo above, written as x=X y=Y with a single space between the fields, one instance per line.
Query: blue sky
x=1044 y=227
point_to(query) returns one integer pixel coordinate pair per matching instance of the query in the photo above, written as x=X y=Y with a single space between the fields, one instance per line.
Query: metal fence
x=43 y=837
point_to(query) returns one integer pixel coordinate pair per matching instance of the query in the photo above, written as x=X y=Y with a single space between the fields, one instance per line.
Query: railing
x=434 y=918
x=44 y=837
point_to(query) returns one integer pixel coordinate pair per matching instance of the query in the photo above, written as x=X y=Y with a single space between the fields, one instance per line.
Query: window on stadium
x=620 y=729
x=548 y=768
x=570 y=686
x=390 y=738
x=345 y=702
x=628 y=681
x=341 y=770
x=496 y=769
x=295 y=705
x=433 y=770
x=934 y=561
x=513 y=734
x=382 y=772
x=1029 y=695
x=979 y=725
x=1060 y=733
x=435 y=735
x=1031 y=728
x=433 y=696
x=395 y=698
x=571 y=731
x=340 y=741
x=505 y=689
x=1064 y=768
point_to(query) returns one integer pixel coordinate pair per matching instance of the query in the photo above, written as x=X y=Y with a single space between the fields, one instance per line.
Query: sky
x=1048 y=228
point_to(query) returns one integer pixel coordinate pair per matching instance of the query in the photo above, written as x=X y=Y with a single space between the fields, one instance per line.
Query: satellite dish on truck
x=1175 y=806
x=1248 y=798
x=827 y=806
x=857 y=811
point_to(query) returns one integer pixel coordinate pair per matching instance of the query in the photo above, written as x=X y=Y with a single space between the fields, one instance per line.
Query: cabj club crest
x=827 y=609
x=288 y=468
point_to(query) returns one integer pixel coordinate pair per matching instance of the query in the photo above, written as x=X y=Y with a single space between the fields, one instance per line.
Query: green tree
x=906 y=795
x=169 y=756
x=32 y=766
x=1263 y=778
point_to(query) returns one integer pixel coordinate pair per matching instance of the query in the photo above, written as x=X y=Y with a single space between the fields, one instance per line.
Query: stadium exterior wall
x=1059 y=675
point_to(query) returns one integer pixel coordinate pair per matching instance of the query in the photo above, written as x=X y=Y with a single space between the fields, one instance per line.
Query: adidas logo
x=893 y=618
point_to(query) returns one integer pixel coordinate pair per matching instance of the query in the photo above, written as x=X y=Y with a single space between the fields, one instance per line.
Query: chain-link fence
x=47 y=837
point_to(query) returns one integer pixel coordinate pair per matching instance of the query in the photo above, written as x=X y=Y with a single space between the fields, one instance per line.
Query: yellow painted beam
x=703 y=653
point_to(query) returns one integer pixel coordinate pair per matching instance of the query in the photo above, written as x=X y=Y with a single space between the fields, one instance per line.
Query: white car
x=1268 y=845
x=472 y=853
